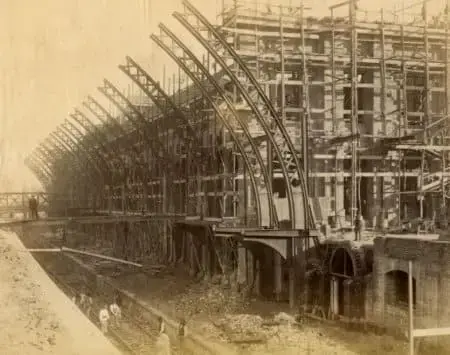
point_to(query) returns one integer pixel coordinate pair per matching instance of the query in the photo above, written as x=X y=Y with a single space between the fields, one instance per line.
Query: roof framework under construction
x=339 y=114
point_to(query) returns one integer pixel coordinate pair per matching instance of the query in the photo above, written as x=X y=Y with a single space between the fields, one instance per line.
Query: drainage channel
x=132 y=336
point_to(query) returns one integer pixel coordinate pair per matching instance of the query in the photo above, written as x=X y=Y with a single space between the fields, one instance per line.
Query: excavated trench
x=135 y=333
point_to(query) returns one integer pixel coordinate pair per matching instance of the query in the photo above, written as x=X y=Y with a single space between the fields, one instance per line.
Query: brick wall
x=431 y=263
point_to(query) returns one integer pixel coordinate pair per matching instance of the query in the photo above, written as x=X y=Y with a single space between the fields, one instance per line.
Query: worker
x=162 y=326
x=116 y=312
x=182 y=332
x=104 y=318
x=82 y=303
x=32 y=204
x=163 y=344
x=358 y=226
x=89 y=304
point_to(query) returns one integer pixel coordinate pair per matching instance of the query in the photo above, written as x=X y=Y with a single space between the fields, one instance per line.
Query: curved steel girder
x=90 y=127
x=41 y=178
x=104 y=116
x=191 y=61
x=64 y=149
x=47 y=159
x=136 y=118
x=154 y=91
x=39 y=175
x=257 y=113
x=71 y=147
x=212 y=32
x=53 y=146
x=72 y=142
x=116 y=130
x=40 y=164
x=163 y=102
x=43 y=159
x=219 y=112
x=78 y=137
x=111 y=122
x=161 y=99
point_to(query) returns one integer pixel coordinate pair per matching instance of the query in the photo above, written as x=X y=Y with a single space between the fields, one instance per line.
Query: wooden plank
x=418 y=333
x=70 y=250
x=44 y=250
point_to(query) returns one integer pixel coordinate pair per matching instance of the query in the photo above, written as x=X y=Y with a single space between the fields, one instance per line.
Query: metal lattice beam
x=192 y=13
x=221 y=116
x=186 y=56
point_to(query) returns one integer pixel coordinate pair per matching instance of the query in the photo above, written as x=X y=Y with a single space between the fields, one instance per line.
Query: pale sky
x=53 y=53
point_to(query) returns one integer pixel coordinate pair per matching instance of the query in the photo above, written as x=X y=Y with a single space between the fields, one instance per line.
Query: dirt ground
x=36 y=317
x=218 y=313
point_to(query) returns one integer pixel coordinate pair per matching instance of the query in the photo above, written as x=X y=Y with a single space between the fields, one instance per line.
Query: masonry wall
x=431 y=264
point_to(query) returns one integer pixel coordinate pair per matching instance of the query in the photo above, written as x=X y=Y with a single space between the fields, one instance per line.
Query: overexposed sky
x=53 y=53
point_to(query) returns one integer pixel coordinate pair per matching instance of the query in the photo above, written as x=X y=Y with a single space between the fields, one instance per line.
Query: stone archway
x=346 y=267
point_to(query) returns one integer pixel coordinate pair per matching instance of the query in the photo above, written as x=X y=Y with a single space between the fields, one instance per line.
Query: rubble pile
x=207 y=300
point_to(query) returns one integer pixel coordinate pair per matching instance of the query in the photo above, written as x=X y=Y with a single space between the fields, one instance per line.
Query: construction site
x=300 y=165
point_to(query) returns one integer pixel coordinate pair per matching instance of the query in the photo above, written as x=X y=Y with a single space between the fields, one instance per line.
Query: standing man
x=182 y=332
x=89 y=304
x=116 y=312
x=33 y=205
x=104 y=318
x=162 y=326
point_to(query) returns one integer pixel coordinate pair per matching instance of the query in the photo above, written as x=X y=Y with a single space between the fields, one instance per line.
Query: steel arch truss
x=206 y=92
x=136 y=118
x=65 y=142
x=205 y=32
x=116 y=130
x=185 y=55
x=171 y=112
x=78 y=138
x=164 y=160
x=68 y=153
x=159 y=97
x=37 y=171
x=115 y=161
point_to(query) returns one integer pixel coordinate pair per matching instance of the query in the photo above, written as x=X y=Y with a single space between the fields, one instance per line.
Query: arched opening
x=396 y=289
x=341 y=269
x=342 y=264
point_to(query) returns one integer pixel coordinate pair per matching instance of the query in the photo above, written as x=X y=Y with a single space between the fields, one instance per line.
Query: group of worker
x=113 y=313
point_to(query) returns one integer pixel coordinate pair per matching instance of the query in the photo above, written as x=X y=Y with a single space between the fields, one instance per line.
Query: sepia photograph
x=224 y=177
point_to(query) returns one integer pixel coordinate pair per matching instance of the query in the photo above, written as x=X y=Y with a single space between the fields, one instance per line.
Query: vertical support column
x=278 y=275
x=334 y=296
x=339 y=193
x=426 y=118
x=242 y=265
x=205 y=260
x=292 y=278
x=166 y=243
x=257 y=277
x=250 y=268
x=354 y=118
